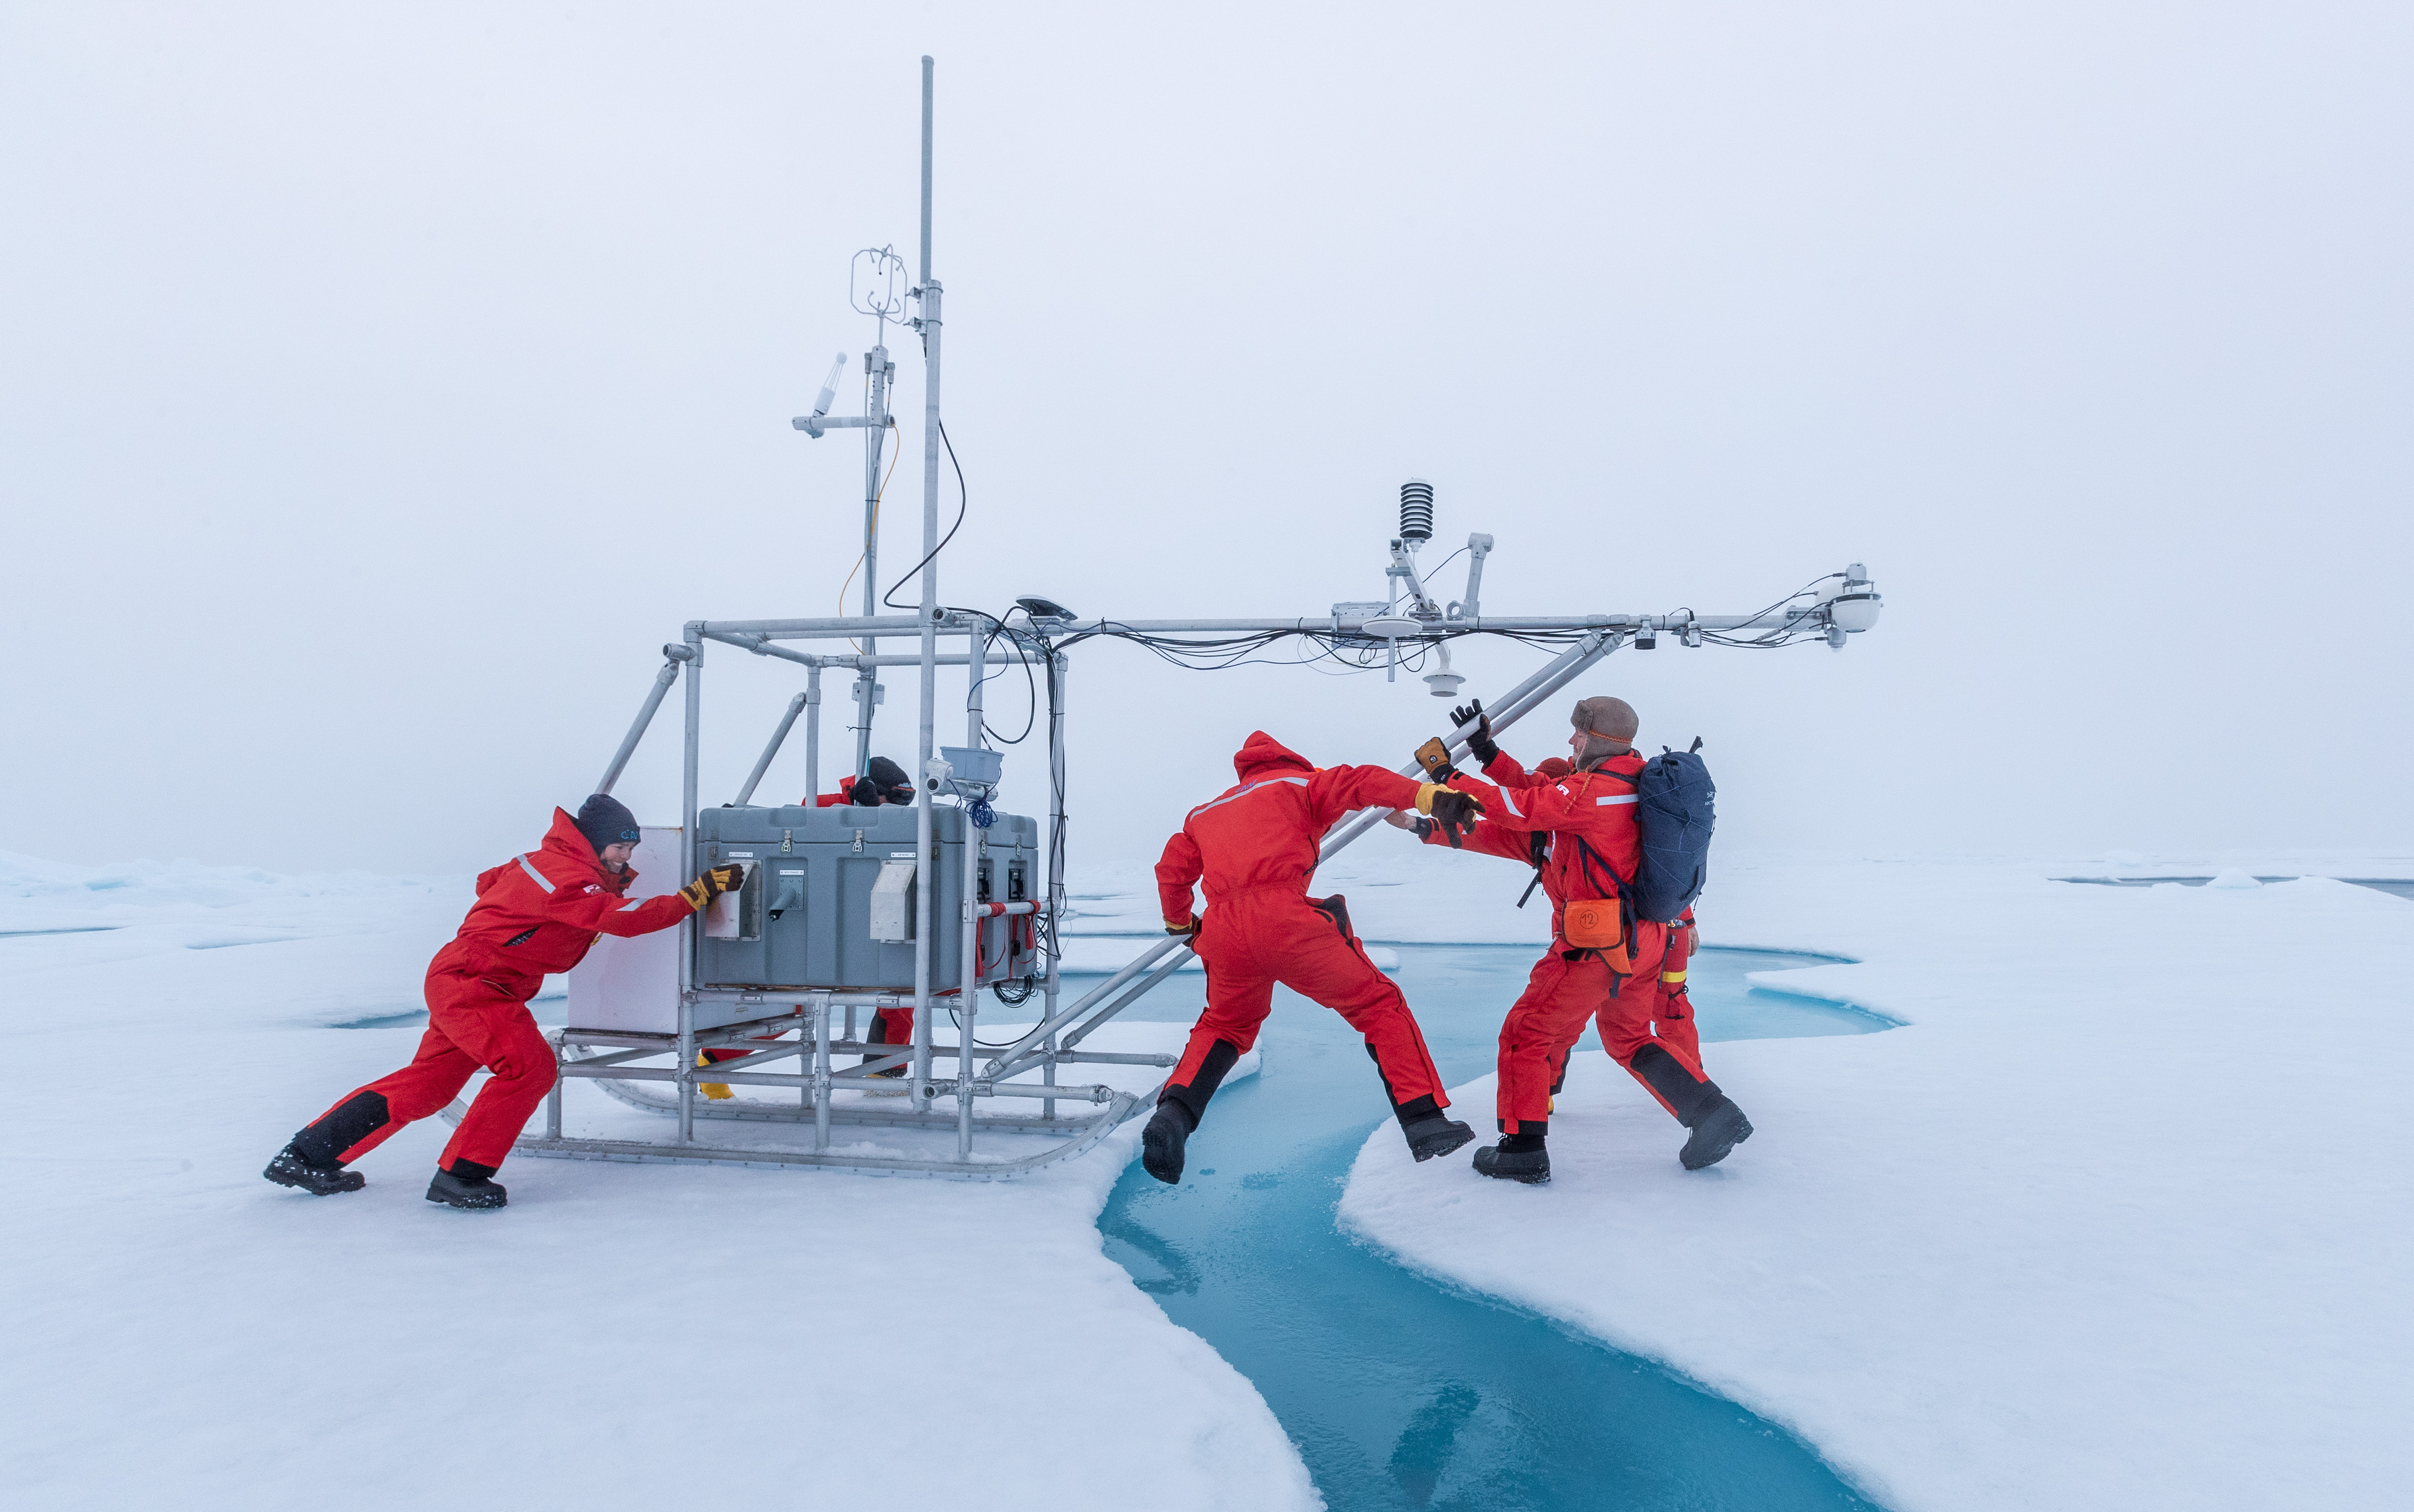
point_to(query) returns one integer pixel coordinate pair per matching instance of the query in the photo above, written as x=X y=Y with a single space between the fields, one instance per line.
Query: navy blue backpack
x=1673 y=808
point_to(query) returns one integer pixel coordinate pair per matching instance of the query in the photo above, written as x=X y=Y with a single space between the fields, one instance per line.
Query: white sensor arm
x=1478 y=547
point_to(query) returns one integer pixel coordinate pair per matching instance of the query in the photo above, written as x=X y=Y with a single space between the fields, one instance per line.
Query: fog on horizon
x=379 y=390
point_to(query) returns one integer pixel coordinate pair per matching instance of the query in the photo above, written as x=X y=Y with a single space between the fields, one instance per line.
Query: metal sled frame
x=1027 y=1070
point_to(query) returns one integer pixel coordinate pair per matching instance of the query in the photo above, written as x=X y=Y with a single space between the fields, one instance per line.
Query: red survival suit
x=1253 y=850
x=1672 y=1017
x=535 y=914
x=1645 y=1020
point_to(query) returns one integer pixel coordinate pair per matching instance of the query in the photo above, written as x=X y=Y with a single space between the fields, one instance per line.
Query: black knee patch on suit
x=1193 y=1098
x=352 y=1120
x=470 y=1170
x=1666 y=1075
x=1336 y=908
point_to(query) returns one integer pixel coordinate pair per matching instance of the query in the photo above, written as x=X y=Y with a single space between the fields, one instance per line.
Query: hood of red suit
x=1262 y=753
x=568 y=850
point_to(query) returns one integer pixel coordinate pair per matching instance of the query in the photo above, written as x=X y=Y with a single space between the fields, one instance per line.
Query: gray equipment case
x=811 y=913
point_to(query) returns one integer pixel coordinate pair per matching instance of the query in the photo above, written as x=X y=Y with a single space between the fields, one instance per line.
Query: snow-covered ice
x=2120 y=1220
x=180 y=1331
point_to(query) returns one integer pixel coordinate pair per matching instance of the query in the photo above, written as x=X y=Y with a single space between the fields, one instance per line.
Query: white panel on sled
x=892 y=902
x=632 y=983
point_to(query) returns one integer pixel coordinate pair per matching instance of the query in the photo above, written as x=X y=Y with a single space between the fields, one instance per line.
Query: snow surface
x=180 y=1331
x=2123 y=1219
x=2119 y=1218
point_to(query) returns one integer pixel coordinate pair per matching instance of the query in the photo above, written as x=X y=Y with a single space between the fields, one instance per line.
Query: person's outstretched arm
x=1562 y=805
x=1177 y=872
x=1337 y=791
x=592 y=908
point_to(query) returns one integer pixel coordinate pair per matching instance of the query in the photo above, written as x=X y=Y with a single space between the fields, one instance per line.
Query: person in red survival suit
x=1672 y=1020
x=1587 y=818
x=883 y=781
x=535 y=914
x=1253 y=849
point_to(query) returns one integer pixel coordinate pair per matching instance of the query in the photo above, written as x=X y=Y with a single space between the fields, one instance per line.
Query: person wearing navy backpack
x=1621 y=888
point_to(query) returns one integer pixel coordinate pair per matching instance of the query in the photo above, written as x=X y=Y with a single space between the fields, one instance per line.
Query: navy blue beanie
x=606 y=821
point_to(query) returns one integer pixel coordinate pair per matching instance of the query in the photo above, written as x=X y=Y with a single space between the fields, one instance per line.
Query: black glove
x=1456 y=814
x=1187 y=928
x=1479 y=740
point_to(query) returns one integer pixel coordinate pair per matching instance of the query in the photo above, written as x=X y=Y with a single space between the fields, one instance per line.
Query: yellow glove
x=717 y=1090
x=1187 y=927
x=715 y=882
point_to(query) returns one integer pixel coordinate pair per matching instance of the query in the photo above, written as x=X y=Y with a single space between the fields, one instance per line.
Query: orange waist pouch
x=1599 y=925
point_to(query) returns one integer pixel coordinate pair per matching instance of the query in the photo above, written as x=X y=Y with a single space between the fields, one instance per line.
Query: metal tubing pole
x=926 y=168
x=1132 y=993
x=821 y=1074
x=874 y=437
x=968 y=1005
x=813 y=736
x=690 y=772
x=843 y=628
x=975 y=707
x=763 y=646
x=663 y=679
x=1091 y=1093
x=827 y=628
x=1116 y=1058
x=754 y=1056
x=976 y=857
x=787 y=722
x=925 y=864
x=925 y=896
x=1056 y=670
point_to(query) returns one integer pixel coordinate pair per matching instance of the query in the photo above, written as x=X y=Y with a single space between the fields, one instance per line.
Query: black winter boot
x=1160 y=1144
x=292 y=1167
x=1717 y=1129
x=1516 y=1158
x=1435 y=1134
x=465 y=1192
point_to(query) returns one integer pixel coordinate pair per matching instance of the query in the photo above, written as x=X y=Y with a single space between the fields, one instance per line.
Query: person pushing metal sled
x=536 y=914
x=1253 y=850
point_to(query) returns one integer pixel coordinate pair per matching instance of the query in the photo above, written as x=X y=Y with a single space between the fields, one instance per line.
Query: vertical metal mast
x=925 y=863
x=867 y=680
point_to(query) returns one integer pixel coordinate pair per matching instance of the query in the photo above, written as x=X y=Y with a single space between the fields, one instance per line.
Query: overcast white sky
x=380 y=386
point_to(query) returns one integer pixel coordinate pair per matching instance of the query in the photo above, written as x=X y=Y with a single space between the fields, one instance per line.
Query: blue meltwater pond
x=1399 y=1392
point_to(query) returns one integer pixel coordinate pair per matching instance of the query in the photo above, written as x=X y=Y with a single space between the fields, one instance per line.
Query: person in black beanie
x=883 y=781
x=536 y=914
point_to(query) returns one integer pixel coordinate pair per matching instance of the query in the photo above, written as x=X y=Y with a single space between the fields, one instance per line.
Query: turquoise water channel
x=1399 y=1392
